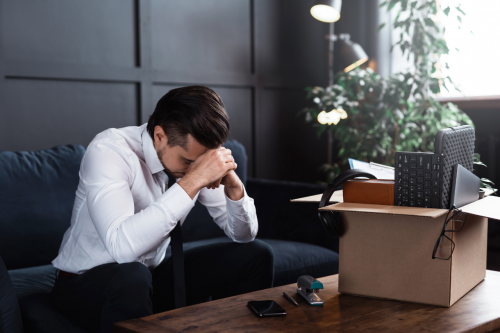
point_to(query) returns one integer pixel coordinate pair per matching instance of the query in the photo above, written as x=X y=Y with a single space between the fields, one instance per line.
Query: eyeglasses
x=445 y=246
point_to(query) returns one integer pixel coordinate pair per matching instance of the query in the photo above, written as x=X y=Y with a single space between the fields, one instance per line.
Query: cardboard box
x=386 y=252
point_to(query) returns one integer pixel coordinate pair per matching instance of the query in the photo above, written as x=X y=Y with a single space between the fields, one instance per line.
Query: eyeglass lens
x=456 y=221
x=445 y=248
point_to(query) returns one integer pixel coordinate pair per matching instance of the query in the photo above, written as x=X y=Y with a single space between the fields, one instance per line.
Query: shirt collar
x=150 y=156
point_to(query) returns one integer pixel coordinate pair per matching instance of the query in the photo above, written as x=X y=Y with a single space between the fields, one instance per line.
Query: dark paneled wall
x=486 y=122
x=70 y=69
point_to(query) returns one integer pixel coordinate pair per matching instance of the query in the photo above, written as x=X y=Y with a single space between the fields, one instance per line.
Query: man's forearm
x=190 y=183
x=234 y=193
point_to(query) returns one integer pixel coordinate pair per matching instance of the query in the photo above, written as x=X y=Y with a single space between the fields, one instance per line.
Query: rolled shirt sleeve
x=238 y=219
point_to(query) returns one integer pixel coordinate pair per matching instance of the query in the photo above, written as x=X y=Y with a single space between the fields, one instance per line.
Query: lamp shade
x=327 y=10
x=351 y=54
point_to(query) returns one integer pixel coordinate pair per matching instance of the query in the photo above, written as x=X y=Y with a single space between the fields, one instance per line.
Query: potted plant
x=485 y=183
x=395 y=113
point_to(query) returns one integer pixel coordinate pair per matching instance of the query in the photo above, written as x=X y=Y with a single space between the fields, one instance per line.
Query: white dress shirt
x=123 y=211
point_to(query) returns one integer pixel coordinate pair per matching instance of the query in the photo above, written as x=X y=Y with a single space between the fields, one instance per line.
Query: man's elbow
x=244 y=239
x=248 y=236
x=122 y=253
x=120 y=256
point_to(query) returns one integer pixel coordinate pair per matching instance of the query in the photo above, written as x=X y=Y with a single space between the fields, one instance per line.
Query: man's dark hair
x=194 y=110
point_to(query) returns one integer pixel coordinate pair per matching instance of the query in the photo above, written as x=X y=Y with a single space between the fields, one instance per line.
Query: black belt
x=66 y=274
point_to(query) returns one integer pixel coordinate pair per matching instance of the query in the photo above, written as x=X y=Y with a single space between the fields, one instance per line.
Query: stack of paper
x=378 y=170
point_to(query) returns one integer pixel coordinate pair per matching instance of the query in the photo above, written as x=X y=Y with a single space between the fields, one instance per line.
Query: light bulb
x=325 y=13
x=332 y=117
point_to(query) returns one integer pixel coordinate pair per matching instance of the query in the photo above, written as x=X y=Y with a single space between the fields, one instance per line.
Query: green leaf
x=392 y=3
x=480 y=163
x=404 y=4
x=380 y=27
x=430 y=23
x=446 y=11
x=383 y=4
x=397 y=17
x=486 y=186
x=460 y=10
x=459 y=18
x=487 y=181
x=423 y=6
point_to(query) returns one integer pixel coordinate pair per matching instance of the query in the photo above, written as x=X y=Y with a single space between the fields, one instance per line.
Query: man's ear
x=160 y=138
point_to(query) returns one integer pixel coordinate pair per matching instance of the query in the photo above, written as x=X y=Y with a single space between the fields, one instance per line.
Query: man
x=112 y=259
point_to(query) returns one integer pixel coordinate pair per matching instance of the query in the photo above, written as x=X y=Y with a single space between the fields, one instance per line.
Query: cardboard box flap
x=487 y=207
x=382 y=209
x=338 y=196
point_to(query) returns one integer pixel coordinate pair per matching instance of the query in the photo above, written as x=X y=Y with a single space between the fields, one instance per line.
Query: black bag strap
x=339 y=180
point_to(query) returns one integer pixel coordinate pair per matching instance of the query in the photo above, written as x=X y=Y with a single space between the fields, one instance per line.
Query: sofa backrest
x=37 y=191
x=279 y=218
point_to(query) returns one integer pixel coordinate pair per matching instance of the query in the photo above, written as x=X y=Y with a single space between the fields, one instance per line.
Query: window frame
x=473 y=102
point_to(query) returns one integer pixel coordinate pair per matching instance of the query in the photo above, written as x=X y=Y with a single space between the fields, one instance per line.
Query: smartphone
x=266 y=309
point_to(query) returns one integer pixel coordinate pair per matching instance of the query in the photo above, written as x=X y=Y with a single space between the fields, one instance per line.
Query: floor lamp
x=351 y=54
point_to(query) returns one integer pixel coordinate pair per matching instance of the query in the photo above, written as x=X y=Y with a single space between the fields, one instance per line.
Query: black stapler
x=308 y=287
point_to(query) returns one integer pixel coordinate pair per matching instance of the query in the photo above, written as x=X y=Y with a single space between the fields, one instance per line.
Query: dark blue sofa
x=37 y=191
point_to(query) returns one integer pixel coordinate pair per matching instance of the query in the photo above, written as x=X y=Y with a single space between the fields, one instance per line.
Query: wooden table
x=478 y=311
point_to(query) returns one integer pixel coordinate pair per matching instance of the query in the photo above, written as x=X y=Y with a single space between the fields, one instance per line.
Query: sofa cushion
x=279 y=218
x=37 y=191
x=291 y=259
x=33 y=286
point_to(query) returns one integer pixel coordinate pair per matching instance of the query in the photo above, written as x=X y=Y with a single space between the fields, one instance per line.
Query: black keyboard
x=418 y=179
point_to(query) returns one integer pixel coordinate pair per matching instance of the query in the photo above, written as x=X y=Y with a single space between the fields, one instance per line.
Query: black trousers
x=114 y=292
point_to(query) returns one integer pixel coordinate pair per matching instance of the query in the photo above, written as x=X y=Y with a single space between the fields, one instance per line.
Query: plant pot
x=481 y=193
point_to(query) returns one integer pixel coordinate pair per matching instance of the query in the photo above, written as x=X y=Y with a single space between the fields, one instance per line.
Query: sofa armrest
x=10 y=315
x=281 y=219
